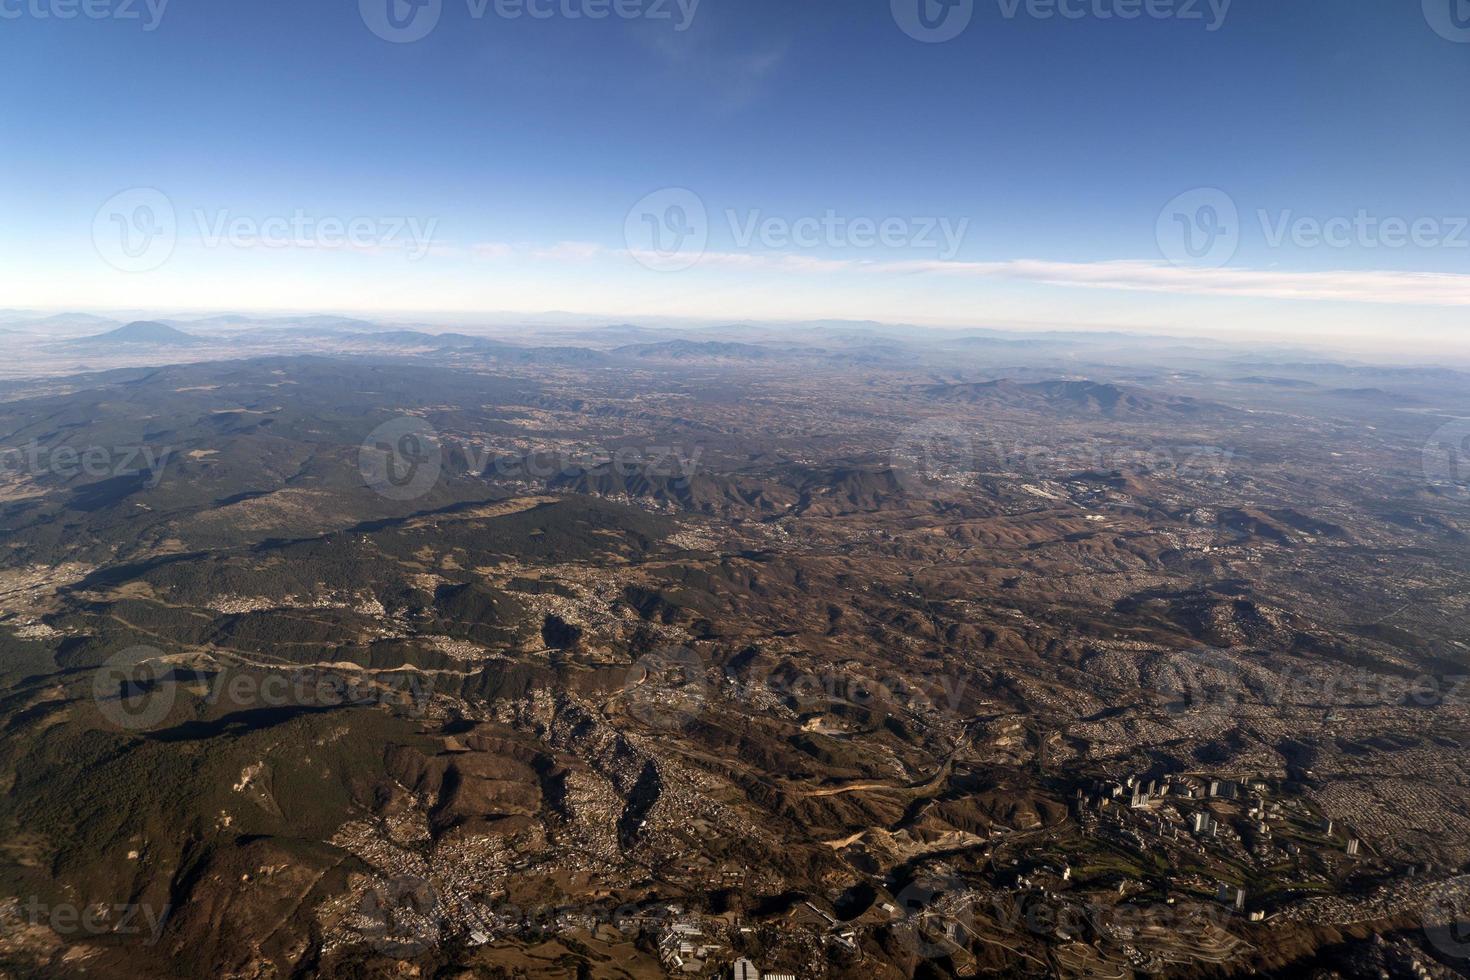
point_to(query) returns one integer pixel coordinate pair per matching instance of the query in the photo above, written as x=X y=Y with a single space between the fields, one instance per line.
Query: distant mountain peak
x=144 y=332
x=1069 y=395
x=689 y=349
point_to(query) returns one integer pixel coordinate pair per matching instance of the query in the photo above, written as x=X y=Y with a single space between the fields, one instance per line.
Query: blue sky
x=515 y=149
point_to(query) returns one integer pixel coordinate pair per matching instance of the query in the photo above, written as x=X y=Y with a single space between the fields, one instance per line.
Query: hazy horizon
x=1386 y=349
x=1000 y=162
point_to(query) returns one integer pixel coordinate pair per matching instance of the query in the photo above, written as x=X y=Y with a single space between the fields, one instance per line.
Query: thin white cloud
x=569 y=251
x=558 y=252
x=1141 y=275
x=787 y=262
x=1375 y=286
x=1365 y=286
x=492 y=250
